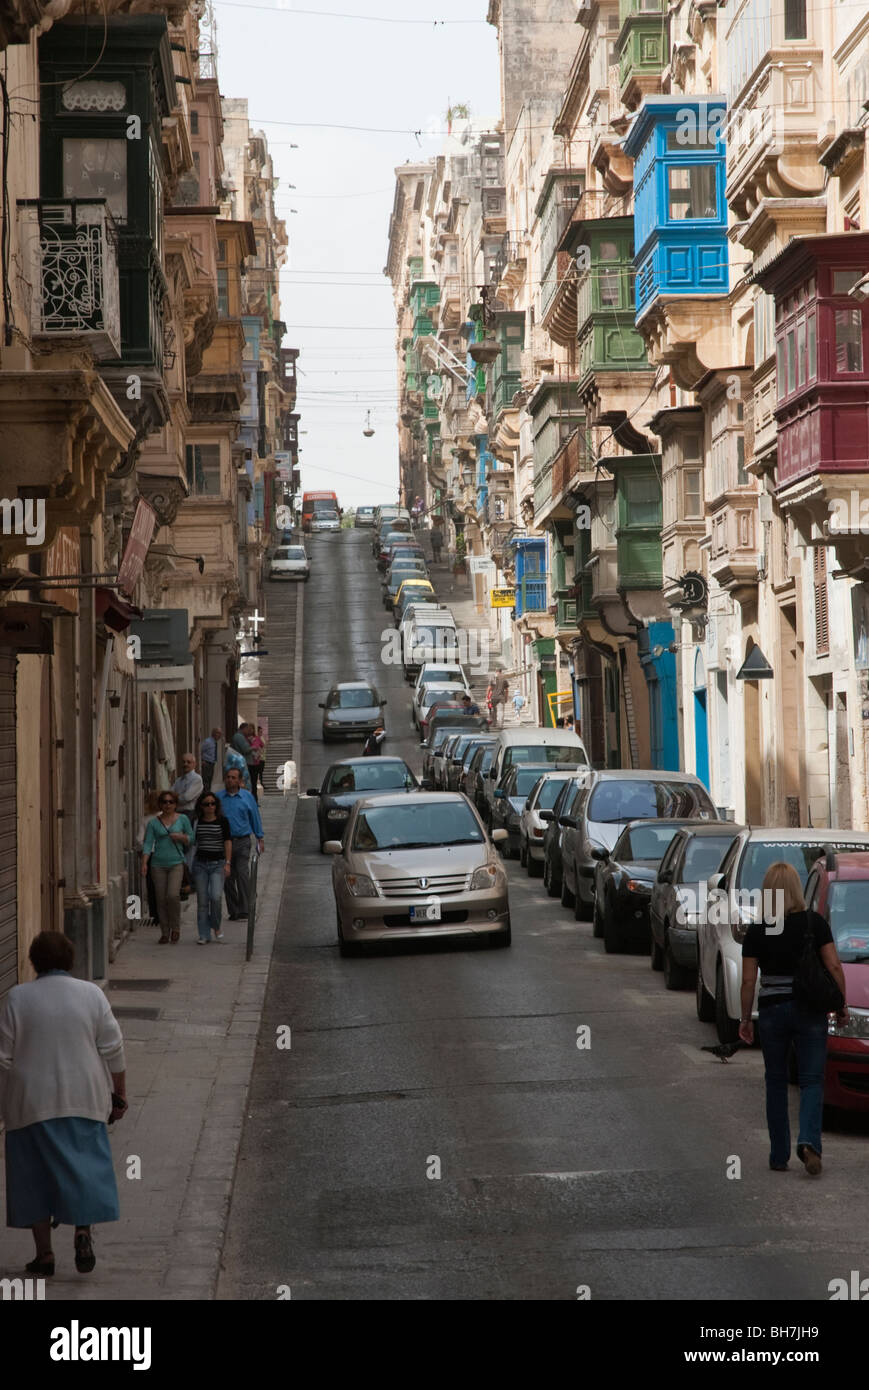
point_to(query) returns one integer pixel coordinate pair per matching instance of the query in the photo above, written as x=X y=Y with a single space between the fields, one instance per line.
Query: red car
x=838 y=888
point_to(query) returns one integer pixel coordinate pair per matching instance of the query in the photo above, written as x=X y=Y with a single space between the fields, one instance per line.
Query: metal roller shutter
x=8 y=827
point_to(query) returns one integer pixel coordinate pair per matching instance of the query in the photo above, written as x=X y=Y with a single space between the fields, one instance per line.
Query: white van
x=429 y=636
x=532 y=746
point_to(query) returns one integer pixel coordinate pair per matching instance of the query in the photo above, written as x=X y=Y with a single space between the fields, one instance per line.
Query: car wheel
x=567 y=898
x=656 y=955
x=597 y=920
x=500 y=938
x=534 y=866
x=613 y=935
x=704 y=1001
x=728 y=1028
x=675 y=975
x=582 y=911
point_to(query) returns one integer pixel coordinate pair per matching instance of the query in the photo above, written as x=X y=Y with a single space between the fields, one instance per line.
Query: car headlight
x=486 y=877
x=337 y=814
x=360 y=886
x=857 y=1025
x=636 y=885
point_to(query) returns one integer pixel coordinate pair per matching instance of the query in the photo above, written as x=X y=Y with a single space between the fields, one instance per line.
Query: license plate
x=426 y=912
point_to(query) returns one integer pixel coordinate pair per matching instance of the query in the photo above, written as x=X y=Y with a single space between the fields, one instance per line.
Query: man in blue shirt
x=242 y=812
x=208 y=757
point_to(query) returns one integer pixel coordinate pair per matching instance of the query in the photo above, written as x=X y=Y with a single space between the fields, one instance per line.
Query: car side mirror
x=499 y=835
x=332 y=847
x=384 y=702
x=426 y=784
x=568 y=820
x=320 y=704
x=715 y=881
x=597 y=852
x=665 y=875
x=312 y=791
x=546 y=815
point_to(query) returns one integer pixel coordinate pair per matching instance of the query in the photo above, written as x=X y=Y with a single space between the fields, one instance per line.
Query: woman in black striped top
x=212 y=853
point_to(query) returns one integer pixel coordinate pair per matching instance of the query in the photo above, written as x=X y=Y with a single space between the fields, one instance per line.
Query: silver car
x=351 y=709
x=531 y=828
x=417 y=864
x=326 y=521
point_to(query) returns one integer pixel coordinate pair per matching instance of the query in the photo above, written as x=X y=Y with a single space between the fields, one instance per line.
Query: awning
x=115 y=612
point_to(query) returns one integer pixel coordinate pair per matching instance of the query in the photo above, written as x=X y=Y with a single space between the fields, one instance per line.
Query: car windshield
x=526 y=778
x=326 y=516
x=376 y=775
x=357 y=698
x=440 y=673
x=760 y=854
x=421 y=826
x=615 y=801
x=704 y=855
x=364 y=511
x=485 y=757
x=849 y=919
x=548 y=793
x=439 y=737
x=440 y=637
x=290 y=552
x=460 y=748
x=436 y=694
x=535 y=753
x=646 y=842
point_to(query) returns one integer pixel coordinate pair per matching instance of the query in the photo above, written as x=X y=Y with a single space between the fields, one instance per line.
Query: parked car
x=428 y=634
x=529 y=745
x=409 y=591
x=435 y=694
x=345 y=782
x=351 y=708
x=448 y=721
x=433 y=672
x=475 y=776
x=838 y=888
x=732 y=902
x=391 y=526
x=624 y=881
x=413 y=865
x=399 y=570
x=553 y=872
x=509 y=802
x=599 y=814
x=290 y=562
x=469 y=739
x=694 y=853
x=325 y=521
x=440 y=760
x=447 y=704
x=532 y=827
x=364 y=517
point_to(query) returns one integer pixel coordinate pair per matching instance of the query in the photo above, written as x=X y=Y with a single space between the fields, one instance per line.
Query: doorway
x=701 y=721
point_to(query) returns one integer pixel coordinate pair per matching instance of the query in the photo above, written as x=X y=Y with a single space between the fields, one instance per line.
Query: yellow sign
x=502 y=598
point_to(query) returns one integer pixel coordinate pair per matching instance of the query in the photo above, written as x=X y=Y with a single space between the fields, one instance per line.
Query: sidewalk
x=190 y=1017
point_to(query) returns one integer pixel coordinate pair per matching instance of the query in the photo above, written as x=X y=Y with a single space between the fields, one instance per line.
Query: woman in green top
x=167 y=837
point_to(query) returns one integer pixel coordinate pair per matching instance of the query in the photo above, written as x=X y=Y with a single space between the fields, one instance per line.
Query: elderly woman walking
x=785 y=1019
x=62 y=1077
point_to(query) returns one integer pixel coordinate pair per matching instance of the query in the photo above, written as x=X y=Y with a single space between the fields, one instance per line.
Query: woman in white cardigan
x=59 y=1046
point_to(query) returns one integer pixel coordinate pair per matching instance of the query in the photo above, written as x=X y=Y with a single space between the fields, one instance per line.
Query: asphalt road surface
x=636 y=1167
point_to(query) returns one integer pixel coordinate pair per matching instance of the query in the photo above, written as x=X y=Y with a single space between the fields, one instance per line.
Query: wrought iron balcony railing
x=69 y=259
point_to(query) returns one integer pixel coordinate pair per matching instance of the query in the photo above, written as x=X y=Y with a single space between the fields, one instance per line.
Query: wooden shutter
x=822 y=622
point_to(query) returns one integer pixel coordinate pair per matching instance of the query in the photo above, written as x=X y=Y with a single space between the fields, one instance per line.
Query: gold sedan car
x=417 y=864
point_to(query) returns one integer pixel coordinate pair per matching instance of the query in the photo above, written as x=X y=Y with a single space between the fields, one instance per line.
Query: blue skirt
x=60 y=1170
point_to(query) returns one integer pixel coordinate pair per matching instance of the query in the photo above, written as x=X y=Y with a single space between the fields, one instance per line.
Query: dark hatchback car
x=552 y=839
x=694 y=854
x=351 y=710
x=624 y=879
x=465 y=746
x=344 y=783
x=509 y=800
x=473 y=782
x=599 y=813
x=449 y=721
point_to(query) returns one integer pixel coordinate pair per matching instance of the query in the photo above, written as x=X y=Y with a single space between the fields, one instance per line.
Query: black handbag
x=814 y=986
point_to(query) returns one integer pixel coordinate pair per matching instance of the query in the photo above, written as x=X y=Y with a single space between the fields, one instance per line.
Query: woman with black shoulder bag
x=801 y=982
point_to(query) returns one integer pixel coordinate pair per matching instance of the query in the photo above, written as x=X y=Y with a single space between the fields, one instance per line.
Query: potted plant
x=460 y=562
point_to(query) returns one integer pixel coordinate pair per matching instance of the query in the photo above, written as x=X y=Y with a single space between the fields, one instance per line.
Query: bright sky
x=302 y=69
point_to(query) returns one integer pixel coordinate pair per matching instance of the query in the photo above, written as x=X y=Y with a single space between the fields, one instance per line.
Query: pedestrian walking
x=242 y=813
x=500 y=691
x=518 y=704
x=372 y=746
x=235 y=757
x=211 y=859
x=437 y=541
x=152 y=806
x=256 y=765
x=63 y=1076
x=208 y=757
x=188 y=787
x=167 y=839
x=785 y=1017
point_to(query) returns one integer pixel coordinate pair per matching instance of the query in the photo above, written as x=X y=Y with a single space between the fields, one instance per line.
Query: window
x=697 y=136
x=795 y=19
x=642 y=500
x=609 y=289
x=692 y=492
x=780 y=367
x=791 y=360
x=845 y=280
x=822 y=624
x=801 y=351
x=221 y=251
x=194 y=122
x=742 y=478
x=97 y=169
x=223 y=293
x=849 y=340
x=203 y=469
x=692 y=192
x=813 y=348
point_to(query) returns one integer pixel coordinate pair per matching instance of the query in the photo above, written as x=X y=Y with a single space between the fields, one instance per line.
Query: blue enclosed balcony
x=680 y=212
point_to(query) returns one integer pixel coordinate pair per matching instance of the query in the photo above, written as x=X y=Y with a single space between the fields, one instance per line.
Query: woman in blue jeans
x=774 y=945
x=212 y=852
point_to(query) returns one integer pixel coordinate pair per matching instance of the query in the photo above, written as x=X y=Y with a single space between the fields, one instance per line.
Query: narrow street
x=559 y=1167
